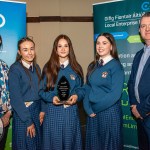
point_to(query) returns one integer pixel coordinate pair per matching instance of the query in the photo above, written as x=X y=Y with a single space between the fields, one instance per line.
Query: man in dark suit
x=139 y=86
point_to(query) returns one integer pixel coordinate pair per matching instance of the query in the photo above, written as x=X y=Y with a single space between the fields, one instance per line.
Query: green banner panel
x=121 y=19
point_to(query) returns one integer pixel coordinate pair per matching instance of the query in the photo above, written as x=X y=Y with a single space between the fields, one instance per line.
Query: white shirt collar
x=65 y=63
x=26 y=64
x=106 y=59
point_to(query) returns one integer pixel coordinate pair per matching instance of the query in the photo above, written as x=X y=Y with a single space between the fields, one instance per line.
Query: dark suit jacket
x=144 y=86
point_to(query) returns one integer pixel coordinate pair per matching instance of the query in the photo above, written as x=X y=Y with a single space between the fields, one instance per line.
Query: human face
x=145 y=29
x=63 y=50
x=103 y=46
x=27 y=51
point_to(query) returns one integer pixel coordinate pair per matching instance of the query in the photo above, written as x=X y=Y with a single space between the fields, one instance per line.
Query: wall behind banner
x=45 y=31
x=12 y=28
x=123 y=23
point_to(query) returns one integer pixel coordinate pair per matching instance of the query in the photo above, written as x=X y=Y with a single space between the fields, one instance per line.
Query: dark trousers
x=3 y=140
x=143 y=135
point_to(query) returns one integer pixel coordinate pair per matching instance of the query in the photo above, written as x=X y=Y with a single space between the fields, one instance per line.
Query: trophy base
x=63 y=103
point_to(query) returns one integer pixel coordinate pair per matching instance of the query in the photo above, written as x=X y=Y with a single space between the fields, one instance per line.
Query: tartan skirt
x=61 y=128
x=20 y=140
x=104 y=131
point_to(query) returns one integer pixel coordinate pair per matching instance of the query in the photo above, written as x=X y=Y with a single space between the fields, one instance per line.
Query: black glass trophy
x=63 y=89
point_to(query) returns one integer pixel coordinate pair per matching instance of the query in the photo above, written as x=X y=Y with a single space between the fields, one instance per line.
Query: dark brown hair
x=1 y=43
x=18 y=57
x=113 y=52
x=147 y=14
x=52 y=67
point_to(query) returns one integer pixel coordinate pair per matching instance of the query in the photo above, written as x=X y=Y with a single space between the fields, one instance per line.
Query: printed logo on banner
x=2 y=20
x=145 y=6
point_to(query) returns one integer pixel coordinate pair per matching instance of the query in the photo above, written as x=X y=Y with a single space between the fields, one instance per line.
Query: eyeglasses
x=145 y=26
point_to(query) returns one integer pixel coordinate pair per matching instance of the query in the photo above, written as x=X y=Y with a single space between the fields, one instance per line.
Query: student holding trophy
x=62 y=76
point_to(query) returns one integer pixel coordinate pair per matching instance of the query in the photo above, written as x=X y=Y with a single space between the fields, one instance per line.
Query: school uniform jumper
x=22 y=90
x=103 y=92
x=61 y=126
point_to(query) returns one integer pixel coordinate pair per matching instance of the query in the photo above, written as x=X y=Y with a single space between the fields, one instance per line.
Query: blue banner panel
x=12 y=28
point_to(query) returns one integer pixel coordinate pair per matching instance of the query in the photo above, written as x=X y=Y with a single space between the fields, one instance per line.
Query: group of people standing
x=42 y=122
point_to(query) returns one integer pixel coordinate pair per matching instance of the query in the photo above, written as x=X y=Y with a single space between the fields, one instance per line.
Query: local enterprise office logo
x=2 y=20
x=145 y=6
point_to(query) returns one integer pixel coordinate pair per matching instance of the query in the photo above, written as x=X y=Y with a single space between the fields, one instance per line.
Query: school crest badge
x=72 y=77
x=104 y=74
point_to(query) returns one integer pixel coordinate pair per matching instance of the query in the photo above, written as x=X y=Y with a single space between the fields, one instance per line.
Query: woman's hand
x=6 y=118
x=31 y=131
x=41 y=117
x=56 y=100
x=92 y=115
x=72 y=100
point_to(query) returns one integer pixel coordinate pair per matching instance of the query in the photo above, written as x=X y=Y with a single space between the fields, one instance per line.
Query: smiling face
x=63 y=50
x=103 y=46
x=145 y=29
x=27 y=51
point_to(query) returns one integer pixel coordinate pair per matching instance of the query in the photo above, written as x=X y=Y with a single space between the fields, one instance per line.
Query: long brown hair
x=52 y=67
x=19 y=57
x=113 y=52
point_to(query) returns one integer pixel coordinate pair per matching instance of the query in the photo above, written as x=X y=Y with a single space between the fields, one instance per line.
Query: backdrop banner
x=12 y=28
x=121 y=19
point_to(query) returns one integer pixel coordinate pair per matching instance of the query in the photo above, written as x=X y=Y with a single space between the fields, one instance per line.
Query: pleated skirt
x=104 y=132
x=61 y=128
x=20 y=140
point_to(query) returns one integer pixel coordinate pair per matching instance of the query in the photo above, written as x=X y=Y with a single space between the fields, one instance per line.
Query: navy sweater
x=104 y=88
x=23 y=90
x=74 y=80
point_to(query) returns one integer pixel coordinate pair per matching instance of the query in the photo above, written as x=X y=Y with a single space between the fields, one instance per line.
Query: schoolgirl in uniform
x=102 y=102
x=24 y=77
x=61 y=126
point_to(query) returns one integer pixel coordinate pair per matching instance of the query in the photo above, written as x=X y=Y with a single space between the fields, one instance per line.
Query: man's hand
x=135 y=112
